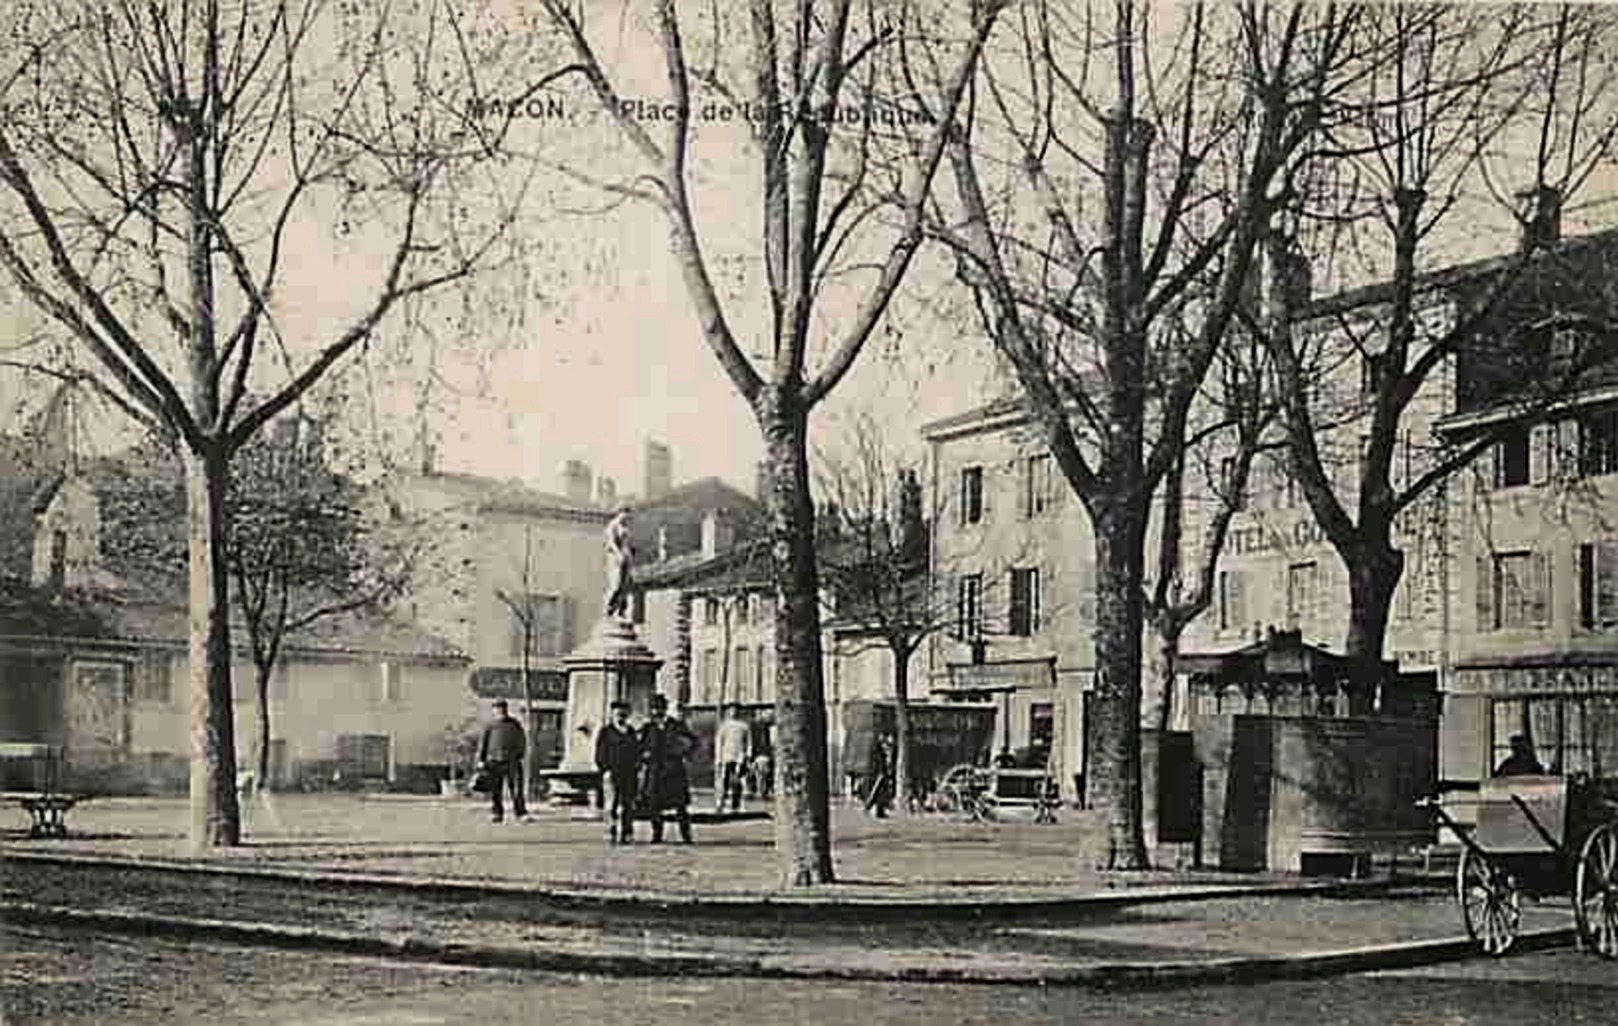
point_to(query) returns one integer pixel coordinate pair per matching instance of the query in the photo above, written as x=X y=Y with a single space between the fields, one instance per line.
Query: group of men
x=645 y=770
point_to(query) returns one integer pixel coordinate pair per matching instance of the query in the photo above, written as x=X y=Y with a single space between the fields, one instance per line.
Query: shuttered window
x=1025 y=602
x=1598 y=584
x=1232 y=605
x=1514 y=590
x=969 y=606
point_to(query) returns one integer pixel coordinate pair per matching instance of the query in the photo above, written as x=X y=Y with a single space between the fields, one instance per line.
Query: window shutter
x=1019 y=603
x=1036 y=601
x=1541 y=442
x=1238 y=600
x=1539 y=609
x=1025 y=489
x=1606 y=582
x=1087 y=594
x=1484 y=585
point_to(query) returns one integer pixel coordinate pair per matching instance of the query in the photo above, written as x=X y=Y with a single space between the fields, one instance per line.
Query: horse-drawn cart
x=1539 y=836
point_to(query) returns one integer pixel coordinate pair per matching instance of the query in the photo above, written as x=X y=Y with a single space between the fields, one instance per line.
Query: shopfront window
x=1568 y=733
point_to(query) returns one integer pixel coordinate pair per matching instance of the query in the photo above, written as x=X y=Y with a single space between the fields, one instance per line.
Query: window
x=538 y=625
x=1513 y=590
x=1598 y=443
x=363 y=756
x=710 y=612
x=58 y=565
x=1511 y=459
x=152 y=680
x=707 y=672
x=1598 y=584
x=1041 y=727
x=762 y=685
x=1566 y=732
x=969 y=607
x=741 y=672
x=1303 y=592
x=1038 y=492
x=391 y=681
x=971 y=495
x=1232 y=612
x=1025 y=602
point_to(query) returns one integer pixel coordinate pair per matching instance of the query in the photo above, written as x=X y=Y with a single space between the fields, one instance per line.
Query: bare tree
x=1149 y=149
x=157 y=160
x=1430 y=128
x=1199 y=494
x=791 y=73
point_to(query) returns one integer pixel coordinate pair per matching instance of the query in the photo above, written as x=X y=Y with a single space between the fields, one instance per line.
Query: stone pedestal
x=612 y=665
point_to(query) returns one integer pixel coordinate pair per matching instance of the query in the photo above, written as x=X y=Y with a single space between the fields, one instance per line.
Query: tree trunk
x=262 y=672
x=802 y=812
x=215 y=819
x=1166 y=629
x=1113 y=775
x=1373 y=576
x=901 y=727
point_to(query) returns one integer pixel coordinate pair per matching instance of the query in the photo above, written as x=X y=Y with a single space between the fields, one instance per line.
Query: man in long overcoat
x=501 y=751
x=665 y=745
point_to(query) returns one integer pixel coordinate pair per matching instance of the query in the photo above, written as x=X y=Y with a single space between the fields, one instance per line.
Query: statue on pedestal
x=620 y=564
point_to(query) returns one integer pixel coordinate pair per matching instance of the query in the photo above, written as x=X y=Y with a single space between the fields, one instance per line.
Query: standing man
x=733 y=745
x=501 y=752
x=665 y=744
x=618 y=759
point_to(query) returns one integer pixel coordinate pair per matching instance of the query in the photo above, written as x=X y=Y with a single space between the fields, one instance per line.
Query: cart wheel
x=951 y=795
x=1490 y=903
x=1595 y=893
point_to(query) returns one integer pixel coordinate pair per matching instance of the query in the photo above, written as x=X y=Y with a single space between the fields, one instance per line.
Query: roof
x=497 y=495
x=1013 y=408
x=1282 y=654
x=746 y=565
x=168 y=623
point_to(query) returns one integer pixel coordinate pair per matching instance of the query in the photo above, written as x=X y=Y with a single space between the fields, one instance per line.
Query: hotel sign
x=1008 y=676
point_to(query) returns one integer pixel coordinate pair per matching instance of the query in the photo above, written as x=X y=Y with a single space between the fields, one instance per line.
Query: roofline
x=1459 y=423
x=180 y=645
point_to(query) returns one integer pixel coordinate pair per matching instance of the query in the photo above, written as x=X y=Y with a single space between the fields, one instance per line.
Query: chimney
x=716 y=533
x=576 y=481
x=606 y=492
x=1541 y=216
x=659 y=470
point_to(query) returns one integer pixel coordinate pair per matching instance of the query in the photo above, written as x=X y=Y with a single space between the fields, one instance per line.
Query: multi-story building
x=511 y=576
x=1013 y=554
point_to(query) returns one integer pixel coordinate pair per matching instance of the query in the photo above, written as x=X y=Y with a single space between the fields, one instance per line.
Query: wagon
x=1538 y=836
x=981 y=793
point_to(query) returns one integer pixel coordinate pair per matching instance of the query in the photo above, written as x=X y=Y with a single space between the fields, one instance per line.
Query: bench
x=46 y=805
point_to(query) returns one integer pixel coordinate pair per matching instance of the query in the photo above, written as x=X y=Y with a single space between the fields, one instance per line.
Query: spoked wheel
x=953 y=791
x=1595 y=892
x=1490 y=903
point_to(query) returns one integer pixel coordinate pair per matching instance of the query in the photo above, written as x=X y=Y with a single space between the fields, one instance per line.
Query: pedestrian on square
x=879 y=799
x=501 y=753
x=733 y=749
x=618 y=759
x=665 y=745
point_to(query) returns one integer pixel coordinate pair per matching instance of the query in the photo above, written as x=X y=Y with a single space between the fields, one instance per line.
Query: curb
x=815 y=907
x=1108 y=975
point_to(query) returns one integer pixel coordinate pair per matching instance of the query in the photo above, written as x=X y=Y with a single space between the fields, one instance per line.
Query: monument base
x=612 y=666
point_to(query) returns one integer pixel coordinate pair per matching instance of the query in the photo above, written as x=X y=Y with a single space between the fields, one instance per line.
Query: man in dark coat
x=665 y=744
x=618 y=759
x=501 y=752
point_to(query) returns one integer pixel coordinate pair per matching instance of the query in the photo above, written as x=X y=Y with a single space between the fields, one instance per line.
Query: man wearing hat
x=501 y=752
x=618 y=759
x=665 y=744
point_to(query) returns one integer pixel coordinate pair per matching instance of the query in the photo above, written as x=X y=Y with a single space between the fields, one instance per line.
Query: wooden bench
x=46 y=805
